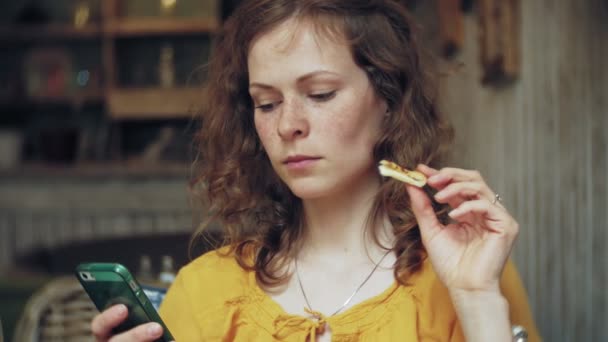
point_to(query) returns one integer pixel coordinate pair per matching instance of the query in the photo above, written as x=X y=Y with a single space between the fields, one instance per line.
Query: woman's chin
x=308 y=194
x=308 y=191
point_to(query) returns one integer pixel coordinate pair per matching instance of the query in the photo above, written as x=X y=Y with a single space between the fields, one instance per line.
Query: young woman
x=305 y=98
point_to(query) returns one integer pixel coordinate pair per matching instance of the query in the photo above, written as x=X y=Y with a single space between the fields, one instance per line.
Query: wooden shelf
x=138 y=27
x=24 y=33
x=79 y=98
x=159 y=26
x=40 y=170
x=153 y=103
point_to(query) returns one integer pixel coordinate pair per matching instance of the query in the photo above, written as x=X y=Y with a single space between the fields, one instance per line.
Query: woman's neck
x=335 y=226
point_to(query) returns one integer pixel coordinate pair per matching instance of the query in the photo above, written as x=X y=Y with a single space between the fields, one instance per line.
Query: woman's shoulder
x=215 y=267
x=212 y=278
x=196 y=303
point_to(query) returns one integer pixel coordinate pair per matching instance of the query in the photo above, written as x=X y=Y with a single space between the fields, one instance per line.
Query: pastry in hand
x=390 y=169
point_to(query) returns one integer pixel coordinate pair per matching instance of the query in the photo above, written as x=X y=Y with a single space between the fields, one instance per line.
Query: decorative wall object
x=47 y=72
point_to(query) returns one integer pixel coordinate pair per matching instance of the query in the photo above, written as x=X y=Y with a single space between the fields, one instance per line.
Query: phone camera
x=86 y=276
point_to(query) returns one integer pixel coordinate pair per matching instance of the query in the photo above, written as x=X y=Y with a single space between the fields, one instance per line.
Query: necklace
x=349 y=298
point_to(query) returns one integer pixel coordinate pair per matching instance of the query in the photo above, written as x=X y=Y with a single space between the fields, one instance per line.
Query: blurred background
x=97 y=112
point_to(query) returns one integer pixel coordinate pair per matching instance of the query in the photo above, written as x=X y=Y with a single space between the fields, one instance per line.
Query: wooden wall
x=542 y=144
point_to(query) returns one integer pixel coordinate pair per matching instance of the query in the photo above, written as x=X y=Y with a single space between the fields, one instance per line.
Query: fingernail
x=439 y=195
x=454 y=212
x=154 y=329
x=121 y=310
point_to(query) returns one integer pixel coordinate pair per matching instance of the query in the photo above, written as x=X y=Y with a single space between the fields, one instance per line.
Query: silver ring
x=497 y=199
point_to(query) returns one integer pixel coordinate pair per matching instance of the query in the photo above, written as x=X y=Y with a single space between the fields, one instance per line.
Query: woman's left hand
x=470 y=252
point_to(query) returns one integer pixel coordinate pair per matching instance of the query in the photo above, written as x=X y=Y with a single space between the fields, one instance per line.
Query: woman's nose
x=293 y=121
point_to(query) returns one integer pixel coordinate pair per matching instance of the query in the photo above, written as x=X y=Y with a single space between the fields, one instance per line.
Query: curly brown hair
x=262 y=218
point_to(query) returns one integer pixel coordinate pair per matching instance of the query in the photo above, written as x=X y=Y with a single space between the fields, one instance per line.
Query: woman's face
x=316 y=113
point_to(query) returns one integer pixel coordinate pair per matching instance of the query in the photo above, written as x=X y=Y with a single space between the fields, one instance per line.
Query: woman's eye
x=323 y=96
x=267 y=107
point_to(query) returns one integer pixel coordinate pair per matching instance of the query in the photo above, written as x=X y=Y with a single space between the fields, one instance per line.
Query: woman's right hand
x=103 y=324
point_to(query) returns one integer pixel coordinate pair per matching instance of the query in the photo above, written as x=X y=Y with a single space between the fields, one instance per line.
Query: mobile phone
x=109 y=284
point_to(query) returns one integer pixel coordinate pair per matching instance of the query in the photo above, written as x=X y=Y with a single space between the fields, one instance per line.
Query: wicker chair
x=59 y=312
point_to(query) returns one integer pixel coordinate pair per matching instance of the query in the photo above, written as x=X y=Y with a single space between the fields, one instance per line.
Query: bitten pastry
x=390 y=169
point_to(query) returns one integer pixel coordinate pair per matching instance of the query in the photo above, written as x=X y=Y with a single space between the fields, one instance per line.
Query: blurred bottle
x=166 y=66
x=167 y=7
x=81 y=14
x=144 y=273
x=167 y=270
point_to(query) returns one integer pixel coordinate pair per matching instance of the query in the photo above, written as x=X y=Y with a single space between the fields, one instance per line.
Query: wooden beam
x=162 y=26
x=499 y=22
x=451 y=26
x=55 y=32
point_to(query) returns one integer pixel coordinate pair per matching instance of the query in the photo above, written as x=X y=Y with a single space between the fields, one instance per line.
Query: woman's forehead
x=295 y=30
x=298 y=41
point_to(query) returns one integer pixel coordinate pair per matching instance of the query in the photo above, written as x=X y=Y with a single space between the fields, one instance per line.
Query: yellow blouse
x=214 y=299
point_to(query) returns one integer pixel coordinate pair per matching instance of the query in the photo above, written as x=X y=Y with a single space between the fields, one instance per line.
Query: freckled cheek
x=337 y=129
x=264 y=128
x=349 y=125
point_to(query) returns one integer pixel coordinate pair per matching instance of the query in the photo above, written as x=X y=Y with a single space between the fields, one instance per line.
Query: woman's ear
x=385 y=107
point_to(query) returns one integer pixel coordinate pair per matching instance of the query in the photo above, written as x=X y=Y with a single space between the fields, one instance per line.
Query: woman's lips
x=300 y=162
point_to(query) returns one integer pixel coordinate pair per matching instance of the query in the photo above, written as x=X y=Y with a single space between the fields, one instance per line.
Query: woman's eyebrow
x=310 y=75
x=260 y=85
x=300 y=79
